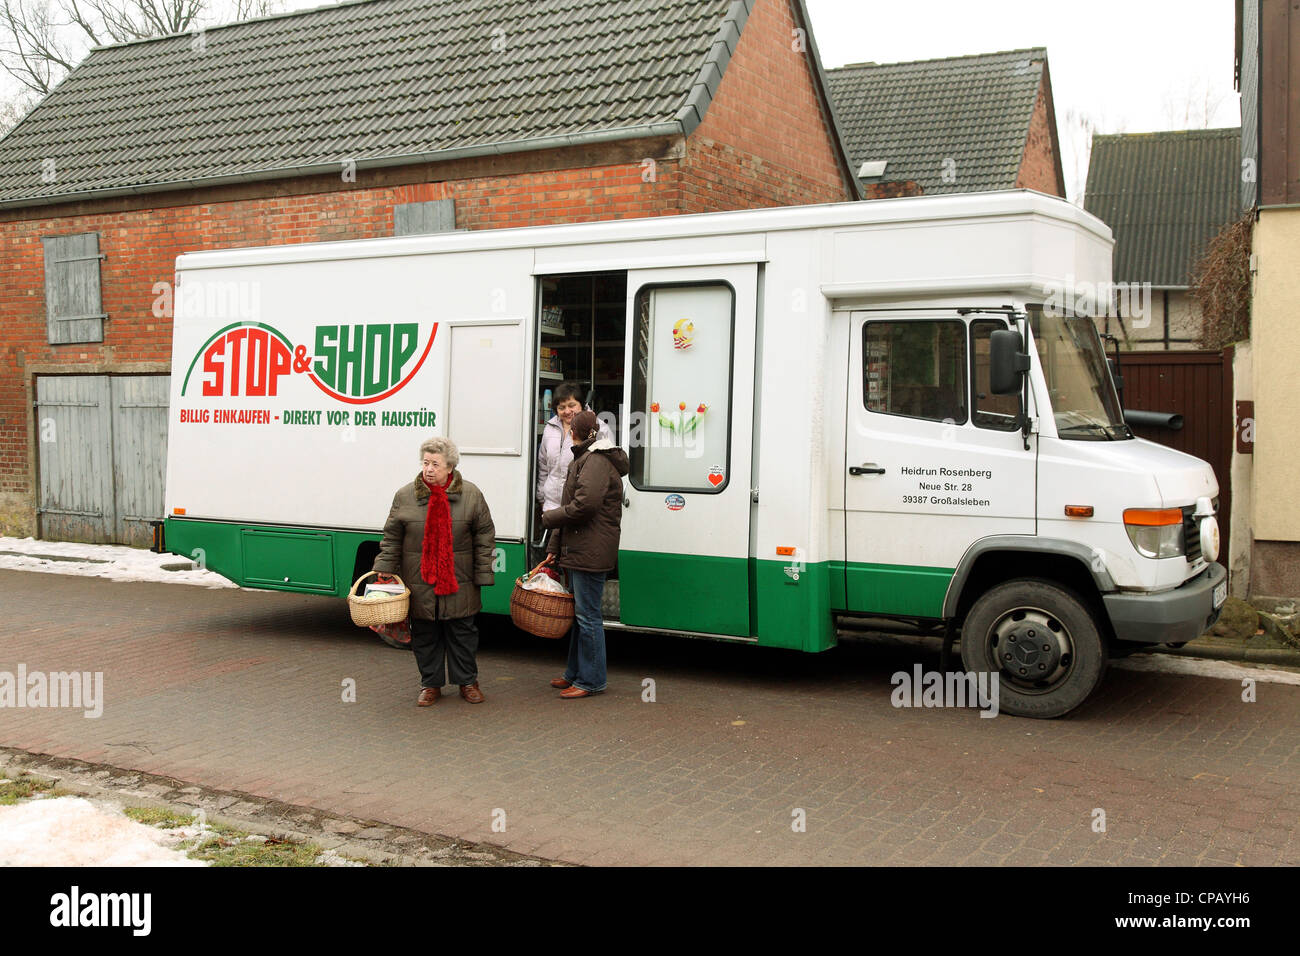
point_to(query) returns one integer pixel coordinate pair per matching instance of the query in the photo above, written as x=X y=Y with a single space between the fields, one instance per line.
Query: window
x=423 y=218
x=680 y=430
x=916 y=369
x=74 y=311
x=1000 y=412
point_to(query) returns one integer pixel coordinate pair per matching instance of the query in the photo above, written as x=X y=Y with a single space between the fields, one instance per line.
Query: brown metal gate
x=1198 y=386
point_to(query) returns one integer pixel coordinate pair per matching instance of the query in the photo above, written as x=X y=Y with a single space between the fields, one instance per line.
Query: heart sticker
x=715 y=478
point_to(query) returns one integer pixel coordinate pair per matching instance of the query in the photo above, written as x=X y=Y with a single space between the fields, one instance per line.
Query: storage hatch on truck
x=288 y=559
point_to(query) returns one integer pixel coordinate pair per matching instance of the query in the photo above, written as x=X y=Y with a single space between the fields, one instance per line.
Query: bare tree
x=41 y=40
x=119 y=21
x=12 y=110
x=1195 y=106
x=1079 y=130
x=34 y=49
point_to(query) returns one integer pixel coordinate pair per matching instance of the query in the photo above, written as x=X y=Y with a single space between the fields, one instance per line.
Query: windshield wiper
x=1094 y=428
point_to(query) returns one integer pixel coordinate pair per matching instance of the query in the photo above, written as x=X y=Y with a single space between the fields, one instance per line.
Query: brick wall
x=766 y=139
x=892 y=190
x=1038 y=166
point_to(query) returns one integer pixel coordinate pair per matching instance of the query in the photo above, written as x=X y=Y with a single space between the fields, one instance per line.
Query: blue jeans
x=586 y=667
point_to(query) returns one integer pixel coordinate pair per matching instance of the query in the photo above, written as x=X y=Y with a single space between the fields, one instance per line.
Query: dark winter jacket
x=554 y=455
x=473 y=541
x=586 y=525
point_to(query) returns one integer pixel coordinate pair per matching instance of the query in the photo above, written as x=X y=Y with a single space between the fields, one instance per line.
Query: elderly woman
x=439 y=537
x=555 y=453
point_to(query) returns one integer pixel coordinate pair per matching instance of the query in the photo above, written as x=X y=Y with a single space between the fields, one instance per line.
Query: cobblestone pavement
x=244 y=692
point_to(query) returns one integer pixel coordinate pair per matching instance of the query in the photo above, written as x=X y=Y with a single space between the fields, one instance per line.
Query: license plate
x=1220 y=594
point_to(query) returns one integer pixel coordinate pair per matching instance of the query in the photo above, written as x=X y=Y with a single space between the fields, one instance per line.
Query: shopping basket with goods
x=377 y=607
x=544 y=612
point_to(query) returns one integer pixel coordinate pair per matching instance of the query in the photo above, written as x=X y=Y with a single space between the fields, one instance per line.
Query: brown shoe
x=471 y=693
x=573 y=693
x=561 y=683
x=428 y=696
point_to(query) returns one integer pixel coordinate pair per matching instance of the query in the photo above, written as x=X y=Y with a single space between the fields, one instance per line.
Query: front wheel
x=1041 y=642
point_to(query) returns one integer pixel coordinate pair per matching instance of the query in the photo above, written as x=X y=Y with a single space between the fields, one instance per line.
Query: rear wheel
x=1041 y=641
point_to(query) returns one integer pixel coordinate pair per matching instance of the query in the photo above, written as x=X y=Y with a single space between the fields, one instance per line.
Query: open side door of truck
x=688 y=427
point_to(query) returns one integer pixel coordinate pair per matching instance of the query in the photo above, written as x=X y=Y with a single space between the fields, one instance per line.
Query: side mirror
x=1007 y=362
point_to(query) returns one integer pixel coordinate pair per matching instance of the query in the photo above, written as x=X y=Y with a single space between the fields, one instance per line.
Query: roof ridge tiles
x=934 y=60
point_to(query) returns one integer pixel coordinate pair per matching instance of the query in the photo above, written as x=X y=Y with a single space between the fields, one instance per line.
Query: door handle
x=870 y=468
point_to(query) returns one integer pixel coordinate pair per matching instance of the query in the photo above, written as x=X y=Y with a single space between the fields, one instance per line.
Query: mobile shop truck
x=859 y=410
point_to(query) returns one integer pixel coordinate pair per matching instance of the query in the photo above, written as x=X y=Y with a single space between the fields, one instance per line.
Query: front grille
x=1191 y=535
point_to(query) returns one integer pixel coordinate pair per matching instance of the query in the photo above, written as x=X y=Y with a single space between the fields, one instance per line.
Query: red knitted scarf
x=437 y=565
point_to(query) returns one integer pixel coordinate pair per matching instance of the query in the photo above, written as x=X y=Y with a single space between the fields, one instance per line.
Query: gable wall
x=1039 y=166
x=766 y=139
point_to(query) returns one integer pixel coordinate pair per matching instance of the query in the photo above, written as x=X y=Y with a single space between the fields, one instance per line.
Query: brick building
x=351 y=122
x=961 y=124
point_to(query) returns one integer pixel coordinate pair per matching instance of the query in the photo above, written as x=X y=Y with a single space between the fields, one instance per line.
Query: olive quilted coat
x=473 y=541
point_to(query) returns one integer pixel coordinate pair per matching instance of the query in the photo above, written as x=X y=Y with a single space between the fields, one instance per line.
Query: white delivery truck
x=868 y=410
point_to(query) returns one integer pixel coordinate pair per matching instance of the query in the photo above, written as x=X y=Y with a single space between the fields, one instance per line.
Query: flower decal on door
x=681 y=422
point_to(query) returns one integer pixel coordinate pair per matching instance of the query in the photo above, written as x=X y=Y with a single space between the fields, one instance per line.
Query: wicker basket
x=543 y=613
x=386 y=610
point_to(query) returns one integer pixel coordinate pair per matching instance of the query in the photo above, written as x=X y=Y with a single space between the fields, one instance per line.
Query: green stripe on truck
x=892 y=589
x=313 y=560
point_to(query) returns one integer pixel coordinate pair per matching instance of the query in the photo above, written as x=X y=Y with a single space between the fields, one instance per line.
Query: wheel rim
x=1032 y=649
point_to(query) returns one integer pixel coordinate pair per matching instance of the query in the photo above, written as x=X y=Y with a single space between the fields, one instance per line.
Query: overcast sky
x=1131 y=66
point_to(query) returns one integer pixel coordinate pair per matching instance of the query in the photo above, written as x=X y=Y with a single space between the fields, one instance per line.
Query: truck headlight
x=1155 y=533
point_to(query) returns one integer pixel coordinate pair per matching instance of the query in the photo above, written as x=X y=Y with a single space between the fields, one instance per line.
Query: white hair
x=444 y=447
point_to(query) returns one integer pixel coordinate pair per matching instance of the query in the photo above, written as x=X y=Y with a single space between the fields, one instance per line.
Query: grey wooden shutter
x=73 y=306
x=421 y=218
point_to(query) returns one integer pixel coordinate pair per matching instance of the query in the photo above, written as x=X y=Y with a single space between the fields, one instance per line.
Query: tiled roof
x=973 y=110
x=1163 y=195
x=371 y=81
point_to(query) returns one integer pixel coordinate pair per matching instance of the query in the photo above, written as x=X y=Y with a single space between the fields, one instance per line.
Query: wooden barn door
x=1198 y=386
x=101 y=455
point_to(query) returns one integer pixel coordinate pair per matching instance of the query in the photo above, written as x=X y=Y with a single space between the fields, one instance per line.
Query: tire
x=392 y=643
x=1035 y=683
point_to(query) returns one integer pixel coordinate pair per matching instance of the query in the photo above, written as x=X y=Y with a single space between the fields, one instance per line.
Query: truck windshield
x=1084 y=402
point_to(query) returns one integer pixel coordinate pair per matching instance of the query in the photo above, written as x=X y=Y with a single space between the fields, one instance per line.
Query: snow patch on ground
x=1203 y=667
x=72 y=831
x=111 y=561
x=330 y=858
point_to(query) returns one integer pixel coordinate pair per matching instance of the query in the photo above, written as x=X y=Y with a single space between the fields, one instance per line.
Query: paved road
x=244 y=690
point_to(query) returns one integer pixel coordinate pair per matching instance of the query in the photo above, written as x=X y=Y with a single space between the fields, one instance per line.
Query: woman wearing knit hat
x=584 y=541
x=439 y=531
